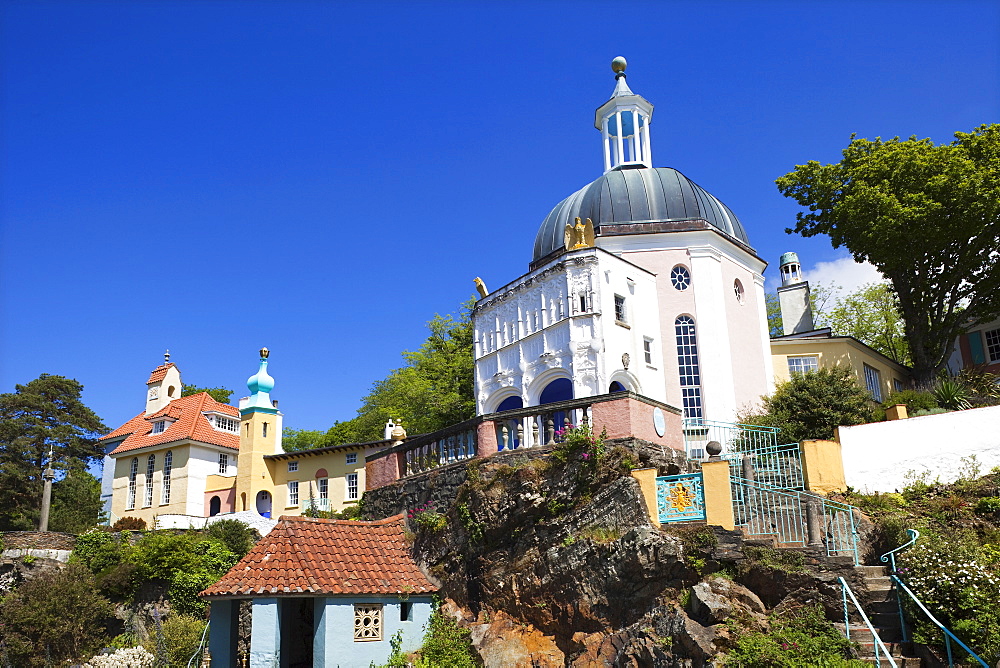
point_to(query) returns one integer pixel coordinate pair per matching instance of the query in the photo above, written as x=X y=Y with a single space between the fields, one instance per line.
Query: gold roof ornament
x=264 y=352
x=580 y=235
x=480 y=287
x=398 y=433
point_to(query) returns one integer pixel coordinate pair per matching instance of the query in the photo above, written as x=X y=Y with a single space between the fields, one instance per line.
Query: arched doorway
x=214 y=506
x=264 y=503
x=617 y=387
x=508 y=440
x=561 y=389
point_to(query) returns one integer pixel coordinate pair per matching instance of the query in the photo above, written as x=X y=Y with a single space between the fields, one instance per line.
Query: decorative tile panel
x=680 y=498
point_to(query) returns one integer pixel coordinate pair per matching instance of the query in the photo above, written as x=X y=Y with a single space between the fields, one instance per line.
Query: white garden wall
x=878 y=457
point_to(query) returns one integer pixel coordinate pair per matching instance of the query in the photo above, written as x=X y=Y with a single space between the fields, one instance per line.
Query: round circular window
x=738 y=289
x=680 y=277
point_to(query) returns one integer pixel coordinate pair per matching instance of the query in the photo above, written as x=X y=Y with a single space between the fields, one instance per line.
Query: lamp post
x=48 y=475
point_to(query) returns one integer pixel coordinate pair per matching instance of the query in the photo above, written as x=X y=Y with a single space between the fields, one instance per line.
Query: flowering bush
x=579 y=442
x=427 y=518
x=130 y=657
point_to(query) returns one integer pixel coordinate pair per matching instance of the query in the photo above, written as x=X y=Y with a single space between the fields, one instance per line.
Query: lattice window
x=168 y=465
x=223 y=463
x=802 y=364
x=680 y=277
x=873 y=380
x=647 y=350
x=324 y=487
x=148 y=495
x=620 y=314
x=367 y=622
x=351 y=458
x=352 y=485
x=132 y=474
x=159 y=426
x=293 y=492
x=293 y=467
x=993 y=344
x=688 y=366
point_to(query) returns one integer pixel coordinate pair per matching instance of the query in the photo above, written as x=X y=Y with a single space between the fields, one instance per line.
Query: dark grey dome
x=636 y=195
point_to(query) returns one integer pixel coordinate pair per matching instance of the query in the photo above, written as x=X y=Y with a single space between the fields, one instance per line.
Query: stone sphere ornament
x=619 y=64
x=714 y=448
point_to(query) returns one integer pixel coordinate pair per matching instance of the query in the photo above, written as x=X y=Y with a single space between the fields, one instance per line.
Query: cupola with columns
x=624 y=124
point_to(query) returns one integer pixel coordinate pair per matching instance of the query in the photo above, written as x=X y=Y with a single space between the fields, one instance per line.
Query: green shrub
x=181 y=638
x=988 y=505
x=788 y=561
x=915 y=400
x=236 y=536
x=129 y=524
x=100 y=551
x=447 y=644
x=952 y=394
x=53 y=618
x=799 y=639
x=579 y=443
x=427 y=518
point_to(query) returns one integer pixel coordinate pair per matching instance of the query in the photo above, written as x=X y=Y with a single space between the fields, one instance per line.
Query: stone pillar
x=718 y=494
x=265 y=633
x=749 y=472
x=897 y=412
x=822 y=467
x=486 y=441
x=647 y=485
x=814 y=522
x=222 y=633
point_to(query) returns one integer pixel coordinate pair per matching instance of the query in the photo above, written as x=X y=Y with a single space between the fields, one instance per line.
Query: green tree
x=220 y=394
x=431 y=391
x=56 y=617
x=76 y=503
x=927 y=216
x=871 y=316
x=45 y=413
x=295 y=440
x=820 y=297
x=811 y=405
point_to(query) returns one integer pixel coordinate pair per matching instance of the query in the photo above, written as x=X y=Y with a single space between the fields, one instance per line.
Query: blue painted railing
x=680 y=498
x=880 y=647
x=732 y=436
x=890 y=557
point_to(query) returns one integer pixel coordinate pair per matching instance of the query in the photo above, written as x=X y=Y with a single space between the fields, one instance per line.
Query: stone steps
x=883 y=613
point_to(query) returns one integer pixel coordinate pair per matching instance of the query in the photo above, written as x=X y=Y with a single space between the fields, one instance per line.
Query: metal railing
x=732 y=436
x=795 y=517
x=880 y=648
x=948 y=635
x=778 y=465
x=890 y=557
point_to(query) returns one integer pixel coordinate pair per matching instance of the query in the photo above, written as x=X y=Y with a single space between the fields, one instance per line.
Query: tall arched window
x=688 y=367
x=168 y=463
x=132 y=473
x=147 y=499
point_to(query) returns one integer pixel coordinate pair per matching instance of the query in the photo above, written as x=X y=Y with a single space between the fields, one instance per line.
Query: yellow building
x=195 y=457
x=819 y=349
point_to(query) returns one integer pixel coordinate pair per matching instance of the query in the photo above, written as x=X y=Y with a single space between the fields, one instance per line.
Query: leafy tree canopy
x=220 y=394
x=811 y=405
x=45 y=413
x=871 y=315
x=820 y=297
x=76 y=503
x=927 y=216
x=432 y=390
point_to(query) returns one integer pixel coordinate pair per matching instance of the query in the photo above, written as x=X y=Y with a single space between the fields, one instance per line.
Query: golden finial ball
x=264 y=352
x=619 y=64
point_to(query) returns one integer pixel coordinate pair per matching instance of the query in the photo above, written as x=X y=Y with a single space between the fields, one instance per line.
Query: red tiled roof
x=189 y=423
x=302 y=555
x=159 y=373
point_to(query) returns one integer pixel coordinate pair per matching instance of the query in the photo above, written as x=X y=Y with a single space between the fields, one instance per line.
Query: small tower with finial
x=164 y=385
x=260 y=435
x=793 y=297
x=624 y=124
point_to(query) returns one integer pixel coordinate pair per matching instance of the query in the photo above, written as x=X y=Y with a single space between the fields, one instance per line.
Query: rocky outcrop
x=551 y=560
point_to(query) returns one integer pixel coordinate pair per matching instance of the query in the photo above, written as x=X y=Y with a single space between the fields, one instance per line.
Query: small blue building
x=323 y=593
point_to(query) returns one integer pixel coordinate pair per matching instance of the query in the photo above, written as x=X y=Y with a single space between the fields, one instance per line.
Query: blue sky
x=321 y=178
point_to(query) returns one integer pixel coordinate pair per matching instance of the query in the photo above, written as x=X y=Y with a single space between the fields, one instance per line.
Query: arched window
x=132 y=473
x=168 y=464
x=148 y=494
x=688 y=367
x=508 y=441
x=214 y=506
x=680 y=277
x=617 y=387
x=561 y=389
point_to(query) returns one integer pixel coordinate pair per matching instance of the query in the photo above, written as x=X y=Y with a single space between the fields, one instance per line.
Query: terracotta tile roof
x=189 y=423
x=159 y=373
x=302 y=555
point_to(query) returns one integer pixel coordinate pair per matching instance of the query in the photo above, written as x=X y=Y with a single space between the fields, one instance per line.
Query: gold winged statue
x=580 y=235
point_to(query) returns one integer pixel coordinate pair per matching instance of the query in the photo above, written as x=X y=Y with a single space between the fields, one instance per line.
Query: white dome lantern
x=624 y=124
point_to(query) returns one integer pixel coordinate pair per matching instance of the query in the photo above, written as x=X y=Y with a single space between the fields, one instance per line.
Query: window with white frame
x=738 y=290
x=621 y=316
x=224 y=423
x=688 y=366
x=352 y=485
x=803 y=364
x=168 y=465
x=873 y=380
x=159 y=426
x=133 y=473
x=993 y=344
x=223 y=463
x=293 y=492
x=680 y=277
x=323 y=484
x=367 y=622
x=293 y=467
x=147 y=498
x=352 y=458
x=647 y=350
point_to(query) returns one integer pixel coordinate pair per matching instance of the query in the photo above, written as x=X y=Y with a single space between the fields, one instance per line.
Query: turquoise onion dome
x=260 y=385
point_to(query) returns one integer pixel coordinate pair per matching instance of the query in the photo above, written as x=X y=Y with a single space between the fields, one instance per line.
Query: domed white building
x=640 y=281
